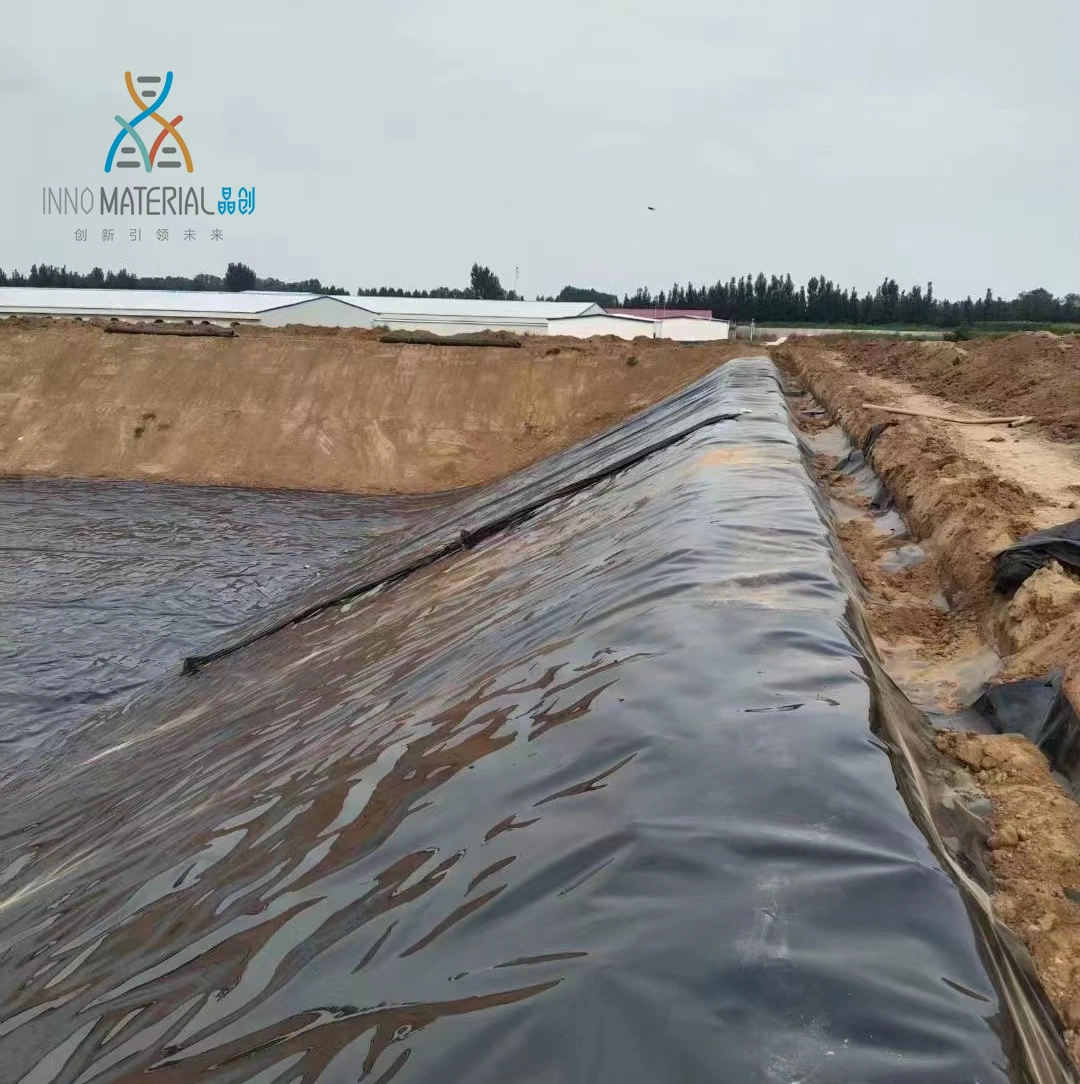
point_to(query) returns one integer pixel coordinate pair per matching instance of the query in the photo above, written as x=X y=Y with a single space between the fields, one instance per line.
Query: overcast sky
x=398 y=141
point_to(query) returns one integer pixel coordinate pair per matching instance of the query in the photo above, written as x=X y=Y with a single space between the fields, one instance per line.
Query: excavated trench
x=592 y=773
x=946 y=645
x=925 y=636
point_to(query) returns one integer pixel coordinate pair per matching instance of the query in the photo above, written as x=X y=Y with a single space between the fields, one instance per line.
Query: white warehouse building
x=692 y=329
x=440 y=316
x=589 y=324
x=681 y=328
x=453 y=315
x=268 y=308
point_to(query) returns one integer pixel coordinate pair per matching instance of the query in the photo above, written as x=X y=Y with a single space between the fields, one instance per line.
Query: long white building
x=624 y=326
x=451 y=316
x=440 y=316
x=216 y=307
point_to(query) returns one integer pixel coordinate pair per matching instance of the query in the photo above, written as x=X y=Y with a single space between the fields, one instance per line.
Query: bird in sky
x=652 y=208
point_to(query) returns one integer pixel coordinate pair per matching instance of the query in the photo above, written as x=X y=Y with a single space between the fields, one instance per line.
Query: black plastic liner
x=467 y=538
x=856 y=464
x=1034 y=551
x=611 y=795
x=1039 y=709
x=103 y=585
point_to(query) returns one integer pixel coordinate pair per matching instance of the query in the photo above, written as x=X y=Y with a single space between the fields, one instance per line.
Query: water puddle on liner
x=908 y=555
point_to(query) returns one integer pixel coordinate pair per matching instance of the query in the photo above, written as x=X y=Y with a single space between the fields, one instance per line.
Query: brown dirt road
x=312 y=408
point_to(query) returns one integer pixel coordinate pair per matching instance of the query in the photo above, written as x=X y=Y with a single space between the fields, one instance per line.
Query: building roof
x=455 y=306
x=65 y=301
x=75 y=302
x=661 y=313
x=608 y=316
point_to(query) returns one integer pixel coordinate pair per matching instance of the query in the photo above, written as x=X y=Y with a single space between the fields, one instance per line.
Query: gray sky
x=394 y=142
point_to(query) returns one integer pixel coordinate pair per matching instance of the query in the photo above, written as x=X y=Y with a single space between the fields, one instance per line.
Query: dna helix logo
x=158 y=91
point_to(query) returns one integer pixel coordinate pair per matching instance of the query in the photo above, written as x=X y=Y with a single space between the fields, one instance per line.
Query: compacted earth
x=315 y=408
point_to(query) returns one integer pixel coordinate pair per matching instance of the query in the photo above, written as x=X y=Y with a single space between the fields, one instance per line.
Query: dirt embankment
x=965 y=492
x=1036 y=374
x=307 y=408
x=1035 y=858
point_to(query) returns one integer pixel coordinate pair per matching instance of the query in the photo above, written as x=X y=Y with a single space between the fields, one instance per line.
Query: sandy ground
x=965 y=491
x=312 y=408
x=1037 y=374
x=1035 y=859
x=1046 y=468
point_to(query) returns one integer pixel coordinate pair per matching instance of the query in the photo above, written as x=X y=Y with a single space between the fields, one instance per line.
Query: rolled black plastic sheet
x=1034 y=551
x=609 y=796
x=1038 y=709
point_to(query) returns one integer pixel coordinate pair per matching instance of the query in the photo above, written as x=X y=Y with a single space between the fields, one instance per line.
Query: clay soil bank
x=966 y=491
x=1033 y=373
x=312 y=408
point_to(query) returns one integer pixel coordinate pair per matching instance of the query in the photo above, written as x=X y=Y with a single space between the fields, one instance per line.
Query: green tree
x=484 y=283
x=1040 y=305
x=583 y=293
x=238 y=276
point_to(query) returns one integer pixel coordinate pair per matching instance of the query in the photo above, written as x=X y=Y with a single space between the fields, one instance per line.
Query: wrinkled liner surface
x=103 y=585
x=599 y=798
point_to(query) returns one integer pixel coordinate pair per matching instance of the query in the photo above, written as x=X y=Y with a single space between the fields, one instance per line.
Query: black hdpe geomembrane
x=604 y=797
x=1039 y=709
x=1034 y=551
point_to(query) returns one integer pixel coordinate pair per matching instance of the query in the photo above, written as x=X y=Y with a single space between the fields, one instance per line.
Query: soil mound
x=317 y=409
x=1032 y=373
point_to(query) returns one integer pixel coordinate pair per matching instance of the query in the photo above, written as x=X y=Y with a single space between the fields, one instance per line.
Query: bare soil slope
x=309 y=408
x=1032 y=373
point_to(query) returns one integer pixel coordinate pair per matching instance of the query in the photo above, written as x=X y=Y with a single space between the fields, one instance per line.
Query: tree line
x=773 y=299
x=484 y=284
x=777 y=300
x=237 y=277
x=821 y=301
